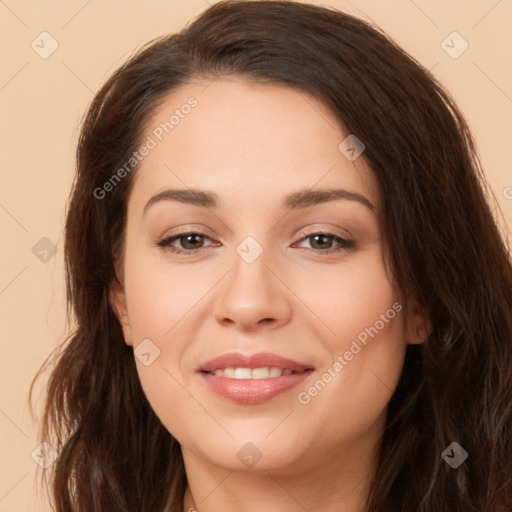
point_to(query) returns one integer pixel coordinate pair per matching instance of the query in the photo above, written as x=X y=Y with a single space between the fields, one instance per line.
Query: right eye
x=189 y=238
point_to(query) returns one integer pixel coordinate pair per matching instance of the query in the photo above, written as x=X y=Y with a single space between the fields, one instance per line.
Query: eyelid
x=186 y=230
x=328 y=231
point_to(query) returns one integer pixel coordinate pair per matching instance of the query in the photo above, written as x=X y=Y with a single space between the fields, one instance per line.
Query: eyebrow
x=294 y=201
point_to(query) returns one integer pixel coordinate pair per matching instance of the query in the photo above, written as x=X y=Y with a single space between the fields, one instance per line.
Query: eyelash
x=344 y=244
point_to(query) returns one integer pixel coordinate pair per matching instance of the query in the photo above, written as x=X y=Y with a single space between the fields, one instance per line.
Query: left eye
x=319 y=238
x=189 y=242
x=191 y=239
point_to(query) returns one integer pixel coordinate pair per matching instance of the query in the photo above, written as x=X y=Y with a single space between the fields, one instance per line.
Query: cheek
x=161 y=295
x=159 y=299
x=366 y=342
x=349 y=298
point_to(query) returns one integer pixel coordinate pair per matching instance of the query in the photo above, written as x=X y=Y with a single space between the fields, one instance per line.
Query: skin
x=252 y=144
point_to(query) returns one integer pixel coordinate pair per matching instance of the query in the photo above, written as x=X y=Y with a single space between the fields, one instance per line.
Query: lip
x=253 y=391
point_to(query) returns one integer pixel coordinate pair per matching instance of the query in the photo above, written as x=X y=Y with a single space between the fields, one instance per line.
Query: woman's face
x=256 y=275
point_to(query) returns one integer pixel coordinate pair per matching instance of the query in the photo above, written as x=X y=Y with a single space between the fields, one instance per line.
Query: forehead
x=254 y=143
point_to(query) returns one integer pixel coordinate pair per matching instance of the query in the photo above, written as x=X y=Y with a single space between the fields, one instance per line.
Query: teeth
x=229 y=372
x=248 y=373
x=276 y=372
x=260 y=373
x=242 y=373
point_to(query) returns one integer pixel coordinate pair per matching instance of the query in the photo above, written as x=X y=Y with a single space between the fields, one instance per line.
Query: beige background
x=41 y=101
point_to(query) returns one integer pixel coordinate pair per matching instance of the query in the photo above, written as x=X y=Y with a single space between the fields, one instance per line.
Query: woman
x=289 y=288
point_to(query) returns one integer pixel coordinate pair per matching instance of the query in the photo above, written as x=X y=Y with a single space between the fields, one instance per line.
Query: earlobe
x=117 y=300
x=419 y=325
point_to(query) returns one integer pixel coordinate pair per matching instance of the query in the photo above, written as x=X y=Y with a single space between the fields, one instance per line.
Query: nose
x=254 y=295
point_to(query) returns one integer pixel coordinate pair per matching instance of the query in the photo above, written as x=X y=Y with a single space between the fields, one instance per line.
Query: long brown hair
x=443 y=244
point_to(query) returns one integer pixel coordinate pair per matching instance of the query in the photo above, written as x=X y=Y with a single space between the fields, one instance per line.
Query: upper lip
x=259 y=360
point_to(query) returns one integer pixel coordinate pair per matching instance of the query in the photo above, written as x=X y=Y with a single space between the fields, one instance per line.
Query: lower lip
x=253 y=391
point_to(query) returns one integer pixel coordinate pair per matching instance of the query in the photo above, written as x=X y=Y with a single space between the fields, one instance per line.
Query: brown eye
x=322 y=243
x=189 y=242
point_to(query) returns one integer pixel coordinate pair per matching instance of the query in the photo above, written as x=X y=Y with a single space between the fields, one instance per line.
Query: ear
x=117 y=300
x=418 y=324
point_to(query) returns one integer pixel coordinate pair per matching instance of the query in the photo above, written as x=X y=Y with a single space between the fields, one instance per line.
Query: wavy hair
x=444 y=246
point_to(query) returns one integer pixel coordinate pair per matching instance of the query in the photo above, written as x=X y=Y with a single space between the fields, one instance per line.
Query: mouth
x=252 y=379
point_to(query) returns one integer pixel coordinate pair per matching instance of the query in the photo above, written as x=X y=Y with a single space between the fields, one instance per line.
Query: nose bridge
x=252 y=293
x=252 y=262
